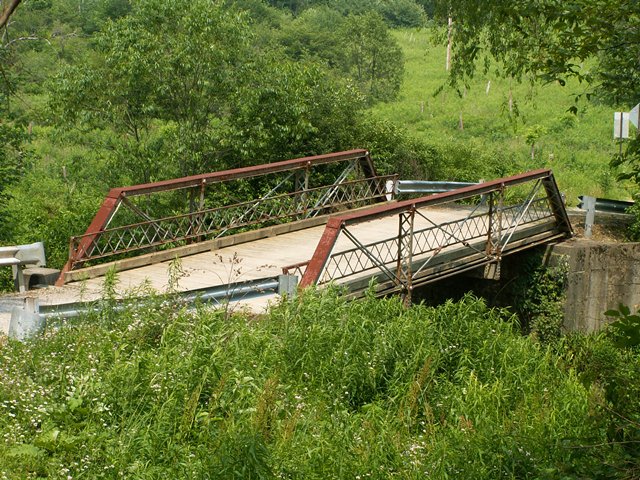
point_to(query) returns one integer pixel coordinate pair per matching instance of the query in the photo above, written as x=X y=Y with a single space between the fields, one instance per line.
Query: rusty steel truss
x=129 y=220
x=488 y=221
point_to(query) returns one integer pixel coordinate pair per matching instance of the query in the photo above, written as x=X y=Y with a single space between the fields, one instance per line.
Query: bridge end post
x=556 y=203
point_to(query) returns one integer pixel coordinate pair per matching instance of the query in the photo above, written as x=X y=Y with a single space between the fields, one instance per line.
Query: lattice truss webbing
x=432 y=237
x=291 y=195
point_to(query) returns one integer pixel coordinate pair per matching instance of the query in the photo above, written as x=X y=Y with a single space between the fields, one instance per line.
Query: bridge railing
x=486 y=225
x=128 y=219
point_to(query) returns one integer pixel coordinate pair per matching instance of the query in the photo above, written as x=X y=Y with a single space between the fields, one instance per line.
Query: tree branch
x=19 y=39
x=13 y=4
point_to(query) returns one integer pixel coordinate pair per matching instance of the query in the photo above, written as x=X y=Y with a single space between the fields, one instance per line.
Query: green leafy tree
x=312 y=36
x=373 y=58
x=287 y=109
x=402 y=13
x=172 y=61
x=359 y=46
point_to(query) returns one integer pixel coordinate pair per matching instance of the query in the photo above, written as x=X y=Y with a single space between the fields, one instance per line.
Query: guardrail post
x=287 y=285
x=26 y=321
x=589 y=204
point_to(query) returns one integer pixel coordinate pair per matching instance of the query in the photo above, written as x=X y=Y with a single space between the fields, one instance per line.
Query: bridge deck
x=247 y=261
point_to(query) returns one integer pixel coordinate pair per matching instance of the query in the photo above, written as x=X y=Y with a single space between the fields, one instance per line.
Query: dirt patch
x=607 y=227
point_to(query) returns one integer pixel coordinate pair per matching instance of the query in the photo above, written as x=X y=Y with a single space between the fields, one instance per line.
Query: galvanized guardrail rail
x=31 y=317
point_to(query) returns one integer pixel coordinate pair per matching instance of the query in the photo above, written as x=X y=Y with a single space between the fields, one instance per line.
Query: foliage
x=395 y=151
x=577 y=147
x=8 y=77
x=627 y=164
x=534 y=290
x=402 y=13
x=15 y=159
x=397 y=13
x=319 y=388
x=312 y=35
x=289 y=109
x=358 y=46
x=613 y=375
x=592 y=41
x=626 y=329
x=549 y=40
x=374 y=59
x=172 y=61
x=48 y=210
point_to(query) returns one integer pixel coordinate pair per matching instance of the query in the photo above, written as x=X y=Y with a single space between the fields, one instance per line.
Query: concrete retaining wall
x=601 y=276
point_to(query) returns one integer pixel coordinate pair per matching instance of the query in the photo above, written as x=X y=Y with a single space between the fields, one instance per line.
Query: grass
x=577 y=147
x=317 y=389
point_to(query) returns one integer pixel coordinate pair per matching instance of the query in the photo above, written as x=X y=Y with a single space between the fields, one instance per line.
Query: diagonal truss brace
x=376 y=262
x=254 y=206
x=520 y=215
x=351 y=166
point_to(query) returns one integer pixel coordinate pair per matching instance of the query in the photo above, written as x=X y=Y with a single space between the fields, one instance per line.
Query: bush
x=47 y=209
x=319 y=388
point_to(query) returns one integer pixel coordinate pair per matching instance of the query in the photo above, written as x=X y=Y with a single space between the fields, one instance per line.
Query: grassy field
x=577 y=147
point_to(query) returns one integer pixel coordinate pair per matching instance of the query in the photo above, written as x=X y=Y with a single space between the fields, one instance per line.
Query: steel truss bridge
x=321 y=219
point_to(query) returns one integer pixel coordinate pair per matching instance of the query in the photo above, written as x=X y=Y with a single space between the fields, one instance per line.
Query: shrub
x=318 y=388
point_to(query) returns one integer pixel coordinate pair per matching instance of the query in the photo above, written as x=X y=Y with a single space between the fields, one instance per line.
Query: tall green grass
x=317 y=389
x=577 y=147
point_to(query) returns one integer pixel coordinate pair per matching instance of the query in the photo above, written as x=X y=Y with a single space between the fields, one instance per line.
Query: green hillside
x=577 y=147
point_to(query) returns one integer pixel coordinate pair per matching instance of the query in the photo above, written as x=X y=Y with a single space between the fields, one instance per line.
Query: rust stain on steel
x=321 y=255
x=101 y=218
x=244 y=172
x=286 y=270
x=105 y=212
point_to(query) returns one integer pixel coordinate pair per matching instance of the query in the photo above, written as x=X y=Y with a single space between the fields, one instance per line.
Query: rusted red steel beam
x=246 y=172
x=445 y=197
x=115 y=195
x=335 y=224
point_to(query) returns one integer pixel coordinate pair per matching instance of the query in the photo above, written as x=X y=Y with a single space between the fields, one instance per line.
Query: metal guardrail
x=604 y=204
x=32 y=317
x=592 y=205
x=20 y=256
x=427 y=186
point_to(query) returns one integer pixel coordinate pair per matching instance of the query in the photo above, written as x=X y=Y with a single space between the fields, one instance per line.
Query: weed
x=318 y=388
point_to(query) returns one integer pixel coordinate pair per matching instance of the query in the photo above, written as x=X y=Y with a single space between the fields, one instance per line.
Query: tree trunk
x=13 y=4
x=449 y=35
